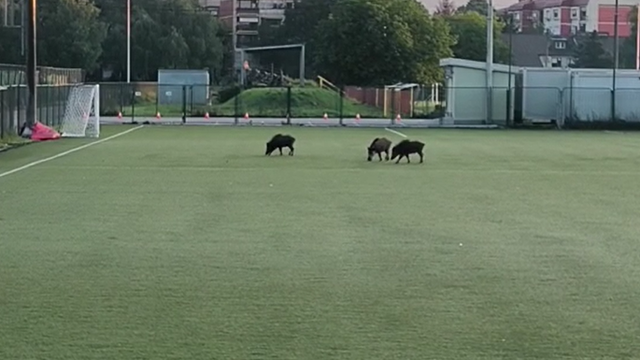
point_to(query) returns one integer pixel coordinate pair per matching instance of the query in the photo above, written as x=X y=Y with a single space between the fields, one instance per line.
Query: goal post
x=82 y=112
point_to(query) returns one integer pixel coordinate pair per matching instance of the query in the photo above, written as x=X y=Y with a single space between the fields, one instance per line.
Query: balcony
x=272 y=13
x=247 y=11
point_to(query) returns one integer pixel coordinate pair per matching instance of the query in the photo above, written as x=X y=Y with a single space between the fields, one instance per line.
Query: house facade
x=568 y=17
x=247 y=15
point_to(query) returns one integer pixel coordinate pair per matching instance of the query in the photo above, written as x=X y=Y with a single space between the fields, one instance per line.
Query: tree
x=164 y=34
x=445 y=8
x=628 y=45
x=590 y=54
x=69 y=34
x=479 y=6
x=470 y=31
x=375 y=42
x=300 y=26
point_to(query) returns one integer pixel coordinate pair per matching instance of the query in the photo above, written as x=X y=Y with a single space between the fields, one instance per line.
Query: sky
x=498 y=4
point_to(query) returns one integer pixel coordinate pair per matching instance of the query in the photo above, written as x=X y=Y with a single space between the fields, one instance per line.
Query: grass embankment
x=268 y=102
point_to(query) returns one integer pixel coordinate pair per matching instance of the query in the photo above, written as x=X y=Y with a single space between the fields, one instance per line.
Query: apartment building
x=568 y=17
x=213 y=6
x=245 y=16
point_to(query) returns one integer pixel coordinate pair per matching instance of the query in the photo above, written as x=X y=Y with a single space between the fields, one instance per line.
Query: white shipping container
x=591 y=93
x=542 y=90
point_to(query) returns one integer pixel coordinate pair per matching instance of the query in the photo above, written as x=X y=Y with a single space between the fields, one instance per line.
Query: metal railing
x=16 y=75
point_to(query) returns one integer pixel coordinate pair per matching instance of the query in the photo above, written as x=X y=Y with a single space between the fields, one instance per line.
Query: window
x=560 y=45
x=556 y=14
x=516 y=15
x=583 y=28
x=574 y=13
x=547 y=14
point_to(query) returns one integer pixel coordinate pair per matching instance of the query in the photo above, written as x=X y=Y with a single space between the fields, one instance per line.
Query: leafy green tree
x=628 y=45
x=69 y=34
x=470 y=31
x=590 y=54
x=164 y=34
x=300 y=26
x=478 y=6
x=375 y=42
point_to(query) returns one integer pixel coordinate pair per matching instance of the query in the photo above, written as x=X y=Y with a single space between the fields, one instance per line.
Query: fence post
x=2 y=111
x=341 y=107
x=236 y=105
x=288 y=104
x=18 y=106
x=121 y=98
x=508 y=119
x=133 y=104
x=613 y=105
x=184 y=104
x=393 y=105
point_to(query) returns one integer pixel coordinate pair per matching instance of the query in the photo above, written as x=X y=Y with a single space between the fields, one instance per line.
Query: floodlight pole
x=31 y=65
x=510 y=64
x=128 y=41
x=489 y=61
x=615 y=62
x=5 y=20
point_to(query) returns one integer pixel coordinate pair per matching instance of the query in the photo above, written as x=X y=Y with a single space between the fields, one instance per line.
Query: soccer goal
x=82 y=112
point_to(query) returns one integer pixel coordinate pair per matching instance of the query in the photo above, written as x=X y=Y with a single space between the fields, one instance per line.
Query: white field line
x=32 y=164
x=430 y=170
x=396 y=132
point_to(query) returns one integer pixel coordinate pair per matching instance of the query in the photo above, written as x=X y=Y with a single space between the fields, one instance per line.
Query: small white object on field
x=271 y=185
x=460 y=244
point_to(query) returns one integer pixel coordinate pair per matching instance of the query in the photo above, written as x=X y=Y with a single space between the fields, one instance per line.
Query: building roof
x=543 y=4
x=470 y=64
x=526 y=49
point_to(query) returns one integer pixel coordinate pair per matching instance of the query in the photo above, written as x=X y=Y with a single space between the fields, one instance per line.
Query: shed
x=172 y=83
x=466 y=91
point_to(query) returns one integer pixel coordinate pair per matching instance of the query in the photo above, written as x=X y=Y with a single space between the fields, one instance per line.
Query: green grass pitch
x=188 y=243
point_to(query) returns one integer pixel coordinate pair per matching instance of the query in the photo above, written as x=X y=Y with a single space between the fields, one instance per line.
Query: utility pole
x=489 y=61
x=31 y=64
x=5 y=11
x=128 y=41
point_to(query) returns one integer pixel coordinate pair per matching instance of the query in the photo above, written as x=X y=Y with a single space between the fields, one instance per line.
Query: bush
x=227 y=93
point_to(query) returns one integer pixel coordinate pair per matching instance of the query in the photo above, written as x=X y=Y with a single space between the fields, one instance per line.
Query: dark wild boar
x=405 y=148
x=280 y=141
x=379 y=146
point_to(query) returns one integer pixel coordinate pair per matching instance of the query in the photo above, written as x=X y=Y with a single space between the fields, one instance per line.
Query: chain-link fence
x=16 y=75
x=14 y=101
x=153 y=101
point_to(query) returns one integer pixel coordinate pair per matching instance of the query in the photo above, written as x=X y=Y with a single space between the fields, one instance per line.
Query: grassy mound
x=305 y=102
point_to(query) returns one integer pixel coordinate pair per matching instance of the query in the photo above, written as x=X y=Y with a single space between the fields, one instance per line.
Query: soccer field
x=188 y=243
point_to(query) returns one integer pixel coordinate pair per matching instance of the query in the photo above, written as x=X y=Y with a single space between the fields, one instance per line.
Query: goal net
x=82 y=112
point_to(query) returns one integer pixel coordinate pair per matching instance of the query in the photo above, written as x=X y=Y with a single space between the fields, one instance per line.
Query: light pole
x=31 y=65
x=489 y=61
x=615 y=62
x=510 y=64
x=128 y=41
